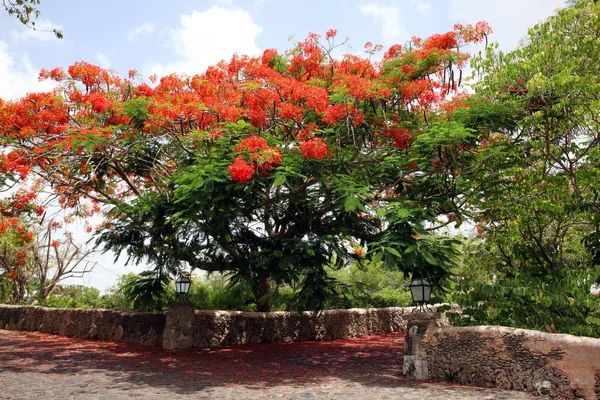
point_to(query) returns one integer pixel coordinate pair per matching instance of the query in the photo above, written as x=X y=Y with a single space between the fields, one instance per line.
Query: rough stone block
x=179 y=329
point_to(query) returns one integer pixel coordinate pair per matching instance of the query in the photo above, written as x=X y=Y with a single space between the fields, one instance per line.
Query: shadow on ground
x=374 y=362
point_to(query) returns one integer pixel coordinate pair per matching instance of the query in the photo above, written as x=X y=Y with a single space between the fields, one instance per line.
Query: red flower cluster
x=306 y=132
x=13 y=275
x=314 y=148
x=241 y=171
x=89 y=74
x=444 y=41
x=253 y=144
x=401 y=136
x=99 y=102
x=56 y=74
x=393 y=52
x=6 y=224
x=262 y=158
x=12 y=162
x=20 y=258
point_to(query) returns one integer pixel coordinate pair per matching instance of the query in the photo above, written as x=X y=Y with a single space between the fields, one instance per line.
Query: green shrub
x=560 y=304
x=74 y=297
x=390 y=297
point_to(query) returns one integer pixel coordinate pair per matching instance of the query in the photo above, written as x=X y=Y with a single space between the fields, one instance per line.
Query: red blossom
x=13 y=274
x=393 y=52
x=401 y=136
x=253 y=144
x=99 y=102
x=445 y=41
x=314 y=148
x=240 y=171
x=268 y=55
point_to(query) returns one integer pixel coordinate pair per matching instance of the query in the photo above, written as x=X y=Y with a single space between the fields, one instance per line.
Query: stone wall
x=225 y=328
x=94 y=324
x=507 y=358
x=210 y=328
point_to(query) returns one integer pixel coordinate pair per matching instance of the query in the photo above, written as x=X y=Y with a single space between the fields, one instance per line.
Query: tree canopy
x=270 y=167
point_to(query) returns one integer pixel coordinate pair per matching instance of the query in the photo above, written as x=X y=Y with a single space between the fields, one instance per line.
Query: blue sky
x=186 y=36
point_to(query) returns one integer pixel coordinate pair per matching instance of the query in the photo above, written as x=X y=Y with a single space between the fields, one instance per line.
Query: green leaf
x=279 y=180
x=352 y=204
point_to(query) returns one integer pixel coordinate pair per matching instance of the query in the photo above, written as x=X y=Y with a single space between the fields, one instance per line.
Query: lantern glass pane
x=182 y=285
x=416 y=289
x=427 y=293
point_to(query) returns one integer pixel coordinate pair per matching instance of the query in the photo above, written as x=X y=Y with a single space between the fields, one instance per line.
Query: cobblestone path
x=34 y=365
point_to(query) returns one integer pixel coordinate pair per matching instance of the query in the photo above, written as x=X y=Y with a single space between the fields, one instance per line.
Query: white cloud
x=422 y=7
x=509 y=19
x=389 y=18
x=103 y=60
x=134 y=33
x=205 y=38
x=18 y=78
x=43 y=31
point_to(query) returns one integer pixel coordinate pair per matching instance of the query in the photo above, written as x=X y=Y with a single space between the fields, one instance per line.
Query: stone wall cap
x=82 y=310
x=531 y=334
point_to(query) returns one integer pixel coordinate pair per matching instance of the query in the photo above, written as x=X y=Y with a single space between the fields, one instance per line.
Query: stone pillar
x=179 y=328
x=415 y=356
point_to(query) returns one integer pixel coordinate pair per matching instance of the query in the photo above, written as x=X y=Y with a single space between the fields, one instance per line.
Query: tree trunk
x=18 y=291
x=262 y=294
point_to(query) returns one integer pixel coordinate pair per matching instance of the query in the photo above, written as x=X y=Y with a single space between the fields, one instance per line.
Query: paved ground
x=34 y=365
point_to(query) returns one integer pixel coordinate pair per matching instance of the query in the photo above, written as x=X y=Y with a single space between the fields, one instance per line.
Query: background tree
x=56 y=256
x=36 y=255
x=535 y=190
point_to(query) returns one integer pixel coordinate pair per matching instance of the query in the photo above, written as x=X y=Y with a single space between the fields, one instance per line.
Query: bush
x=74 y=297
x=390 y=297
x=366 y=286
x=216 y=292
x=370 y=285
x=560 y=304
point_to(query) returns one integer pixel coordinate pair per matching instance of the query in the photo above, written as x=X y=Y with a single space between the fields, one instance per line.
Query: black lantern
x=420 y=289
x=182 y=285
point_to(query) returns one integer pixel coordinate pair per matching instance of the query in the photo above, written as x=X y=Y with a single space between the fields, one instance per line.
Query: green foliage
x=423 y=255
x=533 y=186
x=559 y=304
x=357 y=286
x=216 y=292
x=370 y=284
x=74 y=297
x=5 y=290
x=146 y=291
x=25 y=11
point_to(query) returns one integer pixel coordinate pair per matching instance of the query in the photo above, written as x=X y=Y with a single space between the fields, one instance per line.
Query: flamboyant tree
x=269 y=167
